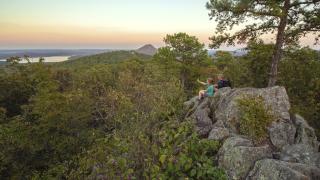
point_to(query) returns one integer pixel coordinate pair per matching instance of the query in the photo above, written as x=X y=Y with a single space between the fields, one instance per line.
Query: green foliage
x=222 y=59
x=300 y=73
x=60 y=122
x=3 y=116
x=185 y=48
x=172 y=151
x=288 y=20
x=254 y=117
x=184 y=155
x=185 y=55
x=52 y=129
x=19 y=83
x=105 y=58
x=297 y=17
x=253 y=68
x=259 y=57
x=237 y=71
x=166 y=60
x=94 y=118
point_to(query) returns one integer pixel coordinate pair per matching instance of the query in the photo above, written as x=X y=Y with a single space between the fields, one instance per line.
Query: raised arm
x=203 y=83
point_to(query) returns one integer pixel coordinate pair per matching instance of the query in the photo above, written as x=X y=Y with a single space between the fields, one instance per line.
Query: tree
x=185 y=49
x=14 y=60
x=300 y=74
x=222 y=59
x=259 y=57
x=289 y=19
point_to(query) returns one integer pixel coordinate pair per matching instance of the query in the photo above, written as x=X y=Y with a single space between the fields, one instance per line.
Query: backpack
x=224 y=83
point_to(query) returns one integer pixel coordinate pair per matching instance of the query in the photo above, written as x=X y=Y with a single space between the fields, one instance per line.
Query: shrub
x=254 y=117
x=184 y=155
x=174 y=151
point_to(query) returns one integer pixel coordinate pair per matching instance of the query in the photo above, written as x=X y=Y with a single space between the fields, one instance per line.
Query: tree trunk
x=183 y=78
x=277 y=53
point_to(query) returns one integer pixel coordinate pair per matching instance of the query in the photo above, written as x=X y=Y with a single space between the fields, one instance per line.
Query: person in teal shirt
x=209 y=92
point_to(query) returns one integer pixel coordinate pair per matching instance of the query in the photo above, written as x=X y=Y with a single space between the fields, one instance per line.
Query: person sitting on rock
x=222 y=82
x=210 y=88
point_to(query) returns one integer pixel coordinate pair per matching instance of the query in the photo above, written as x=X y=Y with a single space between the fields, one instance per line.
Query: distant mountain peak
x=147 y=49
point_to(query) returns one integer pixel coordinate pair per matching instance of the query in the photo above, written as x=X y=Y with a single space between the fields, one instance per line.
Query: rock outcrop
x=274 y=170
x=238 y=154
x=291 y=150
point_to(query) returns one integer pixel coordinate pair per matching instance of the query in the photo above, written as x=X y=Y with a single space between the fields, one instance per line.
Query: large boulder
x=203 y=121
x=305 y=134
x=271 y=169
x=300 y=153
x=282 y=133
x=238 y=155
x=226 y=104
x=219 y=134
x=191 y=105
x=199 y=111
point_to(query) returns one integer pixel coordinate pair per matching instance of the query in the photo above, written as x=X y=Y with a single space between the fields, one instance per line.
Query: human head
x=210 y=80
x=220 y=77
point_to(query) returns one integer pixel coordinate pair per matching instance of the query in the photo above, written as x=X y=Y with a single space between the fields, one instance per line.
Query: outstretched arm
x=203 y=83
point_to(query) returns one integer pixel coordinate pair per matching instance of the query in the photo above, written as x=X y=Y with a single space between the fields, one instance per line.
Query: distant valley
x=60 y=55
x=4 y=54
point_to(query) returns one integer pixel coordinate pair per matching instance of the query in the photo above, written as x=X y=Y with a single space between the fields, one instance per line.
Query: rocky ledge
x=291 y=150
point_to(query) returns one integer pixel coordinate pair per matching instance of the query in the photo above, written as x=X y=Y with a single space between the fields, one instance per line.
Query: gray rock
x=219 y=134
x=270 y=169
x=226 y=106
x=219 y=124
x=238 y=155
x=305 y=134
x=203 y=122
x=199 y=112
x=300 y=153
x=191 y=105
x=293 y=144
x=282 y=133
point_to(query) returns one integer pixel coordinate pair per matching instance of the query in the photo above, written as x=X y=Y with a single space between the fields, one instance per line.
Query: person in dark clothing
x=222 y=82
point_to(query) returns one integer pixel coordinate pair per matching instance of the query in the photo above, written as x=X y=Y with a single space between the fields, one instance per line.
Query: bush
x=173 y=151
x=254 y=118
x=184 y=155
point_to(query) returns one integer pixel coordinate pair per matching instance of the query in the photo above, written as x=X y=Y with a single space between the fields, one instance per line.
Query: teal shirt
x=210 y=90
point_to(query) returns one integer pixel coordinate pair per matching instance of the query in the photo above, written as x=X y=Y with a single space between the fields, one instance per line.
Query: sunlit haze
x=115 y=24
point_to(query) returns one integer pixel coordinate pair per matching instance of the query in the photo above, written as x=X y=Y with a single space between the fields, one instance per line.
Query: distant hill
x=106 y=58
x=147 y=49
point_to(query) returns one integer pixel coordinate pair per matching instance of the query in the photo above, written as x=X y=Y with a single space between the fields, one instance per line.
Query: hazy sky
x=99 y=23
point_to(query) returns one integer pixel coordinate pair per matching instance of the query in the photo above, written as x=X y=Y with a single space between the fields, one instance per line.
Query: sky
x=106 y=24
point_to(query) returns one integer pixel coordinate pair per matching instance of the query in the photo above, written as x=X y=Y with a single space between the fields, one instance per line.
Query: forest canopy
x=120 y=114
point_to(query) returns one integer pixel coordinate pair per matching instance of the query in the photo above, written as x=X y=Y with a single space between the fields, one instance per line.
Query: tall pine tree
x=289 y=20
